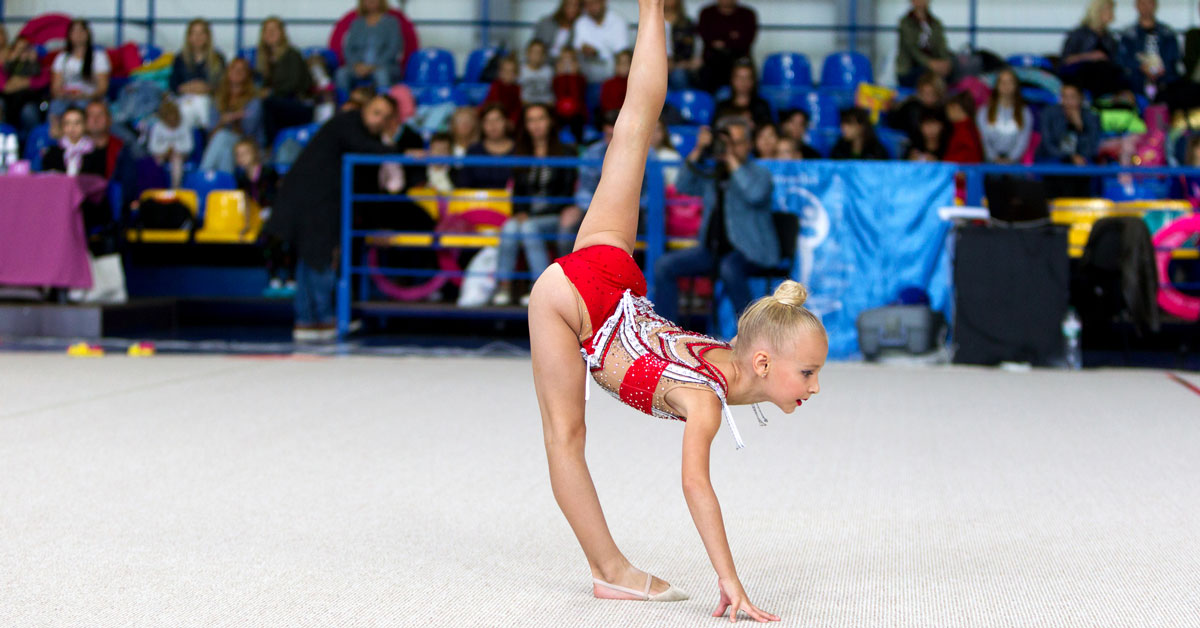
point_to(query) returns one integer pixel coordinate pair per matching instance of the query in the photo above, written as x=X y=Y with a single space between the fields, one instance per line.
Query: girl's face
x=571 y=9
x=272 y=34
x=931 y=130
x=742 y=81
x=766 y=143
x=244 y=156
x=537 y=123
x=239 y=72
x=787 y=149
x=671 y=5
x=372 y=6
x=851 y=130
x=795 y=126
x=920 y=5
x=197 y=37
x=439 y=148
x=1107 y=14
x=1072 y=100
x=621 y=67
x=792 y=379
x=507 y=72
x=535 y=56
x=955 y=113
x=1006 y=84
x=79 y=35
x=495 y=127
x=463 y=125
x=72 y=125
x=567 y=63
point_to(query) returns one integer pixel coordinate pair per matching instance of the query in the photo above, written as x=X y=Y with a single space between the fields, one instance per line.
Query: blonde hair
x=362 y=9
x=265 y=56
x=213 y=63
x=1091 y=17
x=776 y=318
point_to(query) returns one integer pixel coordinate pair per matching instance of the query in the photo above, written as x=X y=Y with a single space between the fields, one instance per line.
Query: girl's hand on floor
x=734 y=598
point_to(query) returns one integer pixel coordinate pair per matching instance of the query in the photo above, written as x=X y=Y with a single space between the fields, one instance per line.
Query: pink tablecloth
x=42 y=242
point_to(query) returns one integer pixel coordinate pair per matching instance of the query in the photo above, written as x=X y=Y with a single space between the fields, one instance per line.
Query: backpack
x=154 y=214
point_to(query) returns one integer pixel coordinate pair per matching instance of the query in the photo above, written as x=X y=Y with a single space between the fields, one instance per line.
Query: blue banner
x=868 y=230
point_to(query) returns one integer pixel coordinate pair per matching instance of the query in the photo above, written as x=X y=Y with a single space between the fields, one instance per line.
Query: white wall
x=1059 y=14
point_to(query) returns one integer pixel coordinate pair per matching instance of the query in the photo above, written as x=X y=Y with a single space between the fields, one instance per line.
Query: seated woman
x=75 y=154
x=286 y=80
x=372 y=47
x=497 y=142
x=1005 y=123
x=555 y=29
x=532 y=222
x=236 y=113
x=744 y=100
x=858 y=139
x=24 y=84
x=931 y=139
x=195 y=73
x=1091 y=54
x=1070 y=135
x=78 y=74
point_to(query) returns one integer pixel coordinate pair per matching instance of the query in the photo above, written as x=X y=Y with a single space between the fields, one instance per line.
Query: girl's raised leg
x=612 y=217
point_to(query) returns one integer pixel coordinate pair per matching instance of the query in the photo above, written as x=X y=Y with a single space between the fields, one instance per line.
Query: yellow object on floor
x=85 y=350
x=141 y=350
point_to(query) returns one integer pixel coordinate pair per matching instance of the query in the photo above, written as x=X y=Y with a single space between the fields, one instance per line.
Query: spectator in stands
x=557 y=29
x=1091 y=53
x=664 y=150
x=372 y=47
x=599 y=34
x=197 y=69
x=789 y=150
x=118 y=163
x=75 y=154
x=766 y=142
x=858 y=139
x=1005 y=124
x=737 y=234
x=923 y=48
x=612 y=92
x=23 y=81
x=930 y=141
x=793 y=125
x=965 y=146
x=570 y=93
x=728 y=31
x=744 y=100
x=533 y=222
x=497 y=142
x=358 y=98
x=464 y=130
x=505 y=90
x=236 y=113
x=683 y=64
x=286 y=80
x=1070 y=135
x=437 y=176
x=536 y=77
x=79 y=73
x=1150 y=51
x=260 y=183
x=929 y=96
x=170 y=141
x=307 y=211
x=589 y=176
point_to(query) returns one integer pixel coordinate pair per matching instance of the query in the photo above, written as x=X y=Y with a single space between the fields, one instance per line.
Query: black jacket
x=308 y=208
x=264 y=190
x=544 y=182
x=95 y=162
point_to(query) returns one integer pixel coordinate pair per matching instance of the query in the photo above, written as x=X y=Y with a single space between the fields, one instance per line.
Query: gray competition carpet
x=221 y=491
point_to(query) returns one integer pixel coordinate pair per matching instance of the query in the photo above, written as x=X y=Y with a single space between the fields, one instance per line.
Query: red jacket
x=570 y=92
x=612 y=93
x=965 y=145
x=111 y=153
x=509 y=95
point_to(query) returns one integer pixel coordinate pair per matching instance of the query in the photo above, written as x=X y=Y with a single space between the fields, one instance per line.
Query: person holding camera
x=737 y=233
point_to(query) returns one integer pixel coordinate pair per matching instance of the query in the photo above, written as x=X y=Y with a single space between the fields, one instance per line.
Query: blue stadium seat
x=846 y=69
x=787 y=69
x=205 y=181
x=430 y=66
x=149 y=53
x=436 y=94
x=473 y=93
x=842 y=97
x=821 y=106
x=298 y=134
x=38 y=141
x=1036 y=96
x=477 y=61
x=823 y=139
x=894 y=141
x=6 y=129
x=695 y=106
x=331 y=58
x=1031 y=61
x=683 y=138
x=591 y=97
x=723 y=93
x=250 y=54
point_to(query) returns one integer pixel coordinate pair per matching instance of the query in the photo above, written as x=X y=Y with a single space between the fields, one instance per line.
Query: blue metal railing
x=654 y=204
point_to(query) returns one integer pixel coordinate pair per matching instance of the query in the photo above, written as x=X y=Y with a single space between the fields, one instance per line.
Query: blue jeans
x=218 y=155
x=314 y=295
x=345 y=78
x=530 y=235
x=732 y=269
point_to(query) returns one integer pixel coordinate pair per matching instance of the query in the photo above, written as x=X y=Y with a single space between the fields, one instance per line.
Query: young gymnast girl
x=594 y=300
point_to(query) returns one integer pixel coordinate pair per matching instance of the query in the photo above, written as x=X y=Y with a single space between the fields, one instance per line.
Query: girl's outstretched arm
x=612 y=216
x=703 y=412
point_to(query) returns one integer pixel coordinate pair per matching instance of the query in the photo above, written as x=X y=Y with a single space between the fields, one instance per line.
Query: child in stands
x=170 y=140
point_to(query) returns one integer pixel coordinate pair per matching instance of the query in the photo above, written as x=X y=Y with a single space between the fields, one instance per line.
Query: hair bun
x=791 y=293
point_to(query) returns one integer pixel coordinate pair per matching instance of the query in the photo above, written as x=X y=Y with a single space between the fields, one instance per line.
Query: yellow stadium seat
x=165 y=236
x=465 y=200
x=229 y=218
x=1159 y=213
x=1080 y=214
x=427 y=199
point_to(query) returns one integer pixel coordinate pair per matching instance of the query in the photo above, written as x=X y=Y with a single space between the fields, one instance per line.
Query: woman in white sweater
x=1005 y=124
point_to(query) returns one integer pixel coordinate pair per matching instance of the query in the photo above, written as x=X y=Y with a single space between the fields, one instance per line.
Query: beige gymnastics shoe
x=606 y=591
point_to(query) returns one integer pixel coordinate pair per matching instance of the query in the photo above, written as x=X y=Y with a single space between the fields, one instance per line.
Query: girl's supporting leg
x=612 y=217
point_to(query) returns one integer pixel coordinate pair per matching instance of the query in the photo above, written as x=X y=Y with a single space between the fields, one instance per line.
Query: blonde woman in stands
x=594 y=300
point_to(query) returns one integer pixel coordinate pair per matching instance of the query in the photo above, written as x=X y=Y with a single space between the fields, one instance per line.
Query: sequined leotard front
x=633 y=353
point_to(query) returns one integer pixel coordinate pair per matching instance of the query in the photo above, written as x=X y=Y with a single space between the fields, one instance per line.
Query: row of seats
x=225 y=216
